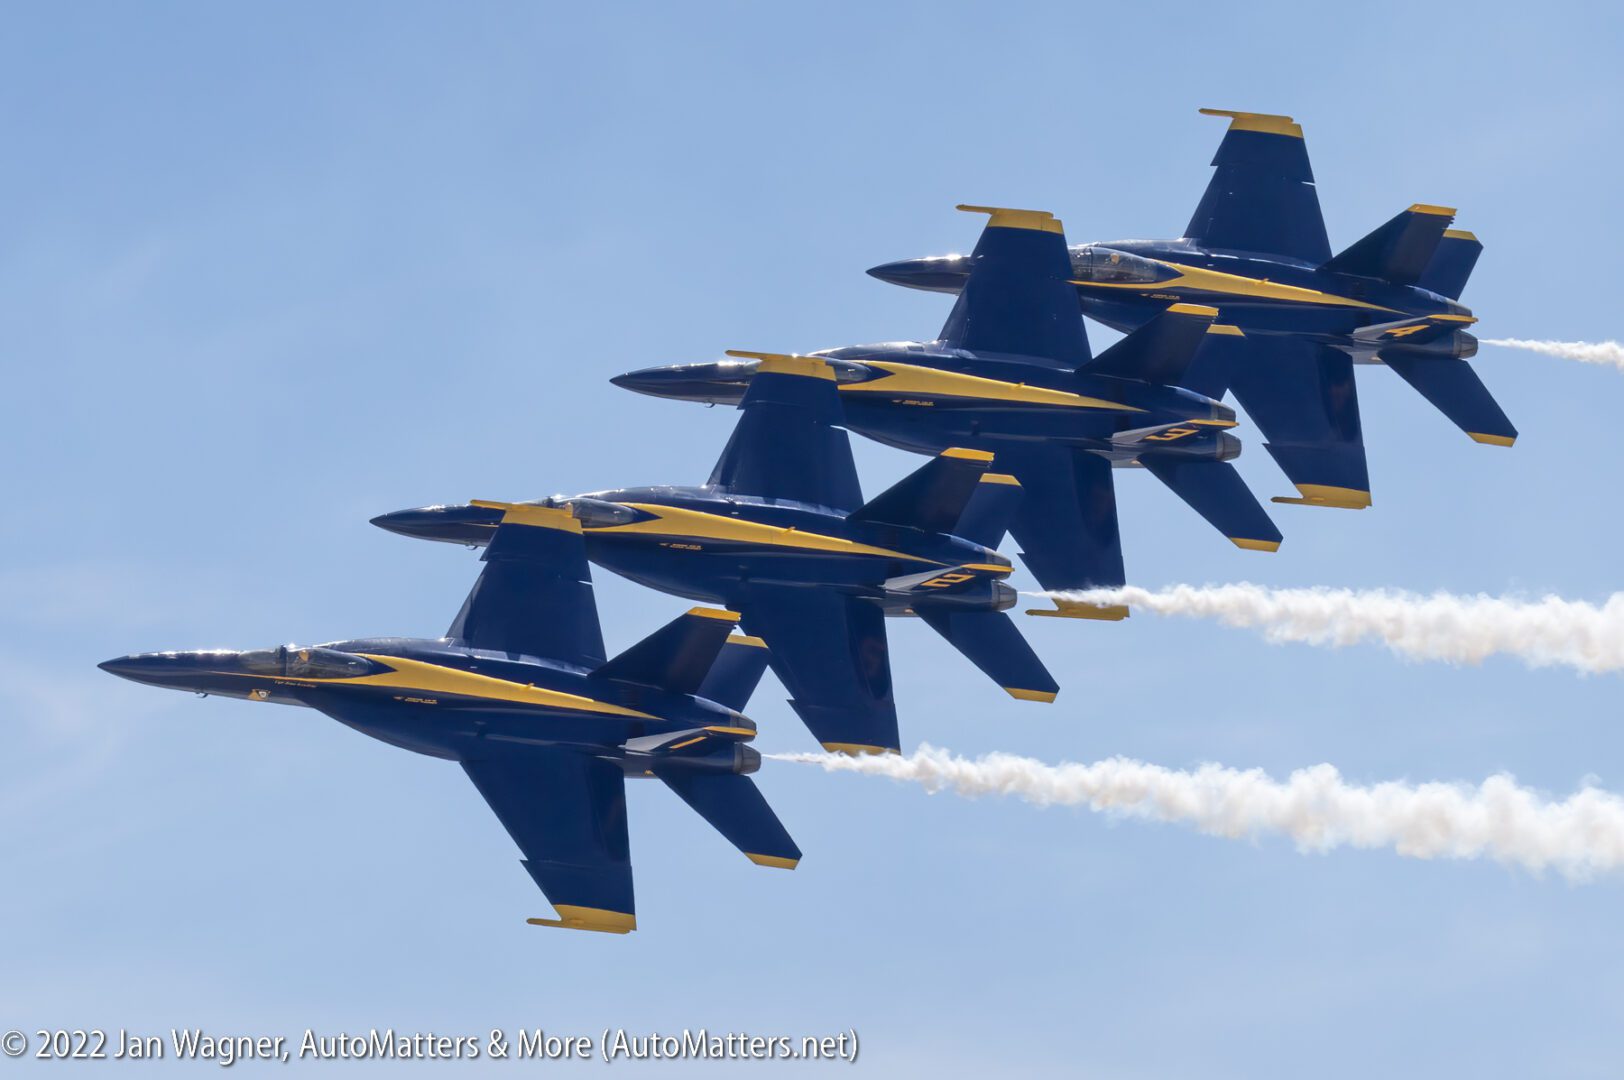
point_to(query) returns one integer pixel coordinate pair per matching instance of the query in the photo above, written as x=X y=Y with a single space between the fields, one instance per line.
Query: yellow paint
x=746 y=639
x=436 y=678
x=1193 y=309
x=1327 y=495
x=715 y=613
x=720 y=730
x=788 y=364
x=680 y=522
x=1227 y=329
x=686 y=742
x=1077 y=609
x=777 y=861
x=1213 y=423
x=1255 y=545
x=1216 y=281
x=1492 y=440
x=999 y=478
x=1459 y=234
x=1436 y=211
x=1004 y=218
x=541 y=517
x=913 y=379
x=987 y=568
x=1467 y=319
x=857 y=749
x=1029 y=695
x=966 y=455
x=573 y=917
x=1267 y=123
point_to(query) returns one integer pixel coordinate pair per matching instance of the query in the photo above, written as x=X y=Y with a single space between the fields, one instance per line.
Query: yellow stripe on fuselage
x=439 y=679
x=682 y=523
x=1216 y=281
x=912 y=379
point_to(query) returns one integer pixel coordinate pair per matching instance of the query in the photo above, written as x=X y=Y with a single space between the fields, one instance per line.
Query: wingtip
x=777 y=862
x=1076 y=609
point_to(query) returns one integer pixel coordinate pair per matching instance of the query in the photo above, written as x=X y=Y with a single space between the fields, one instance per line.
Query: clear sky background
x=269 y=270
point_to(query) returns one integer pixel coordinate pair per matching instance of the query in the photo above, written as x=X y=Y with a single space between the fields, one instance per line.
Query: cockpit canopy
x=1107 y=266
x=307 y=663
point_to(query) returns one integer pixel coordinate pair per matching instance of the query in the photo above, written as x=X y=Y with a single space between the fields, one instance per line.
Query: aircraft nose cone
x=450 y=524
x=936 y=274
x=154 y=669
x=900 y=272
x=642 y=381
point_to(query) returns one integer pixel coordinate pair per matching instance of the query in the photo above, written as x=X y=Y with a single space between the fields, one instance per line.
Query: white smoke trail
x=1457 y=629
x=1578 y=836
x=1610 y=353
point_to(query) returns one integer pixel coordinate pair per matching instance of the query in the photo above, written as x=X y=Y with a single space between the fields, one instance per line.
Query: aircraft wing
x=1262 y=197
x=829 y=651
x=788 y=443
x=1066 y=523
x=1302 y=397
x=1018 y=297
x=534 y=595
x=566 y=810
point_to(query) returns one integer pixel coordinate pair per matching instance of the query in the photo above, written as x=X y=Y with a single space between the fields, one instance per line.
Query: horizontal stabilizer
x=736 y=673
x=1457 y=392
x=1162 y=350
x=1018 y=297
x=991 y=508
x=1215 y=490
x=1452 y=264
x=1416 y=330
x=1066 y=524
x=534 y=596
x=1399 y=251
x=990 y=641
x=734 y=806
x=932 y=497
x=677 y=657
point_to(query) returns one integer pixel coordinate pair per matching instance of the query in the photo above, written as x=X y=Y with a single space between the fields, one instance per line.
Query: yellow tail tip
x=1492 y=440
x=1248 y=544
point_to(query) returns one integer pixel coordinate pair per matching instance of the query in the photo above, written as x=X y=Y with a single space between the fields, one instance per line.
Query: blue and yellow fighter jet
x=1012 y=373
x=1257 y=250
x=519 y=694
x=782 y=535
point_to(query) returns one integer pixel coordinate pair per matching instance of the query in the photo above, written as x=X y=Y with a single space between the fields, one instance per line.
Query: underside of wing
x=1018 y=298
x=789 y=443
x=1303 y=398
x=1066 y=524
x=1262 y=197
x=534 y=595
x=830 y=652
x=567 y=812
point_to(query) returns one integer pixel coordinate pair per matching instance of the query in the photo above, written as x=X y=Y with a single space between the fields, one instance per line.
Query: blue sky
x=270 y=270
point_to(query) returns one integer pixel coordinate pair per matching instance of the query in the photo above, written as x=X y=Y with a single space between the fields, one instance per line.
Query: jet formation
x=1024 y=426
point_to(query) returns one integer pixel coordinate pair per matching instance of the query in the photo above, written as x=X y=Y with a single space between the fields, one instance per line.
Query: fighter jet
x=782 y=535
x=1257 y=250
x=1012 y=373
x=519 y=694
